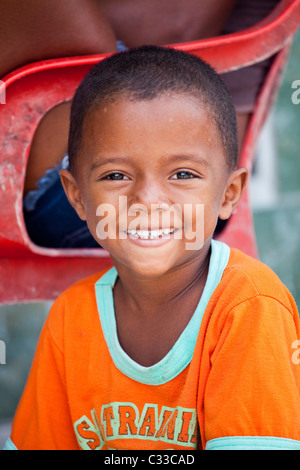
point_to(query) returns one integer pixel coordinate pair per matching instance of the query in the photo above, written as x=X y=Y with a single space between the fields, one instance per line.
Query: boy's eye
x=115 y=177
x=183 y=175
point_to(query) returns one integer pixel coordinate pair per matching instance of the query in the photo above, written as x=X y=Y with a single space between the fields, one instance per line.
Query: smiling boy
x=173 y=347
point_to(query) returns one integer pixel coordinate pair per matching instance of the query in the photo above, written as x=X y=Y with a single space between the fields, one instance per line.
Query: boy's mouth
x=150 y=234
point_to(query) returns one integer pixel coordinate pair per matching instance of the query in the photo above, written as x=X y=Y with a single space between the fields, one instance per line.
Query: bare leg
x=159 y=22
x=34 y=30
x=49 y=144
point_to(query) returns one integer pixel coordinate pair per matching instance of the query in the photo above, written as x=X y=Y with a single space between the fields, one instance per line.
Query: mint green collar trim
x=181 y=353
x=252 y=443
x=9 y=445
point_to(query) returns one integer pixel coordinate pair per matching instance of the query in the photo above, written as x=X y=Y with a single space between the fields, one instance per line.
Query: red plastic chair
x=33 y=273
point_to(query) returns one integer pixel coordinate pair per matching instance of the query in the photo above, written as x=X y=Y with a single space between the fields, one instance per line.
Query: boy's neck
x=161 y=308
x=151 y=294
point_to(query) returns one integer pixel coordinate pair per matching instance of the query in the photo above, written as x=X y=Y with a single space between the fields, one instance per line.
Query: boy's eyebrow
x=105 y=161
x=191 y=157
x=194 y=158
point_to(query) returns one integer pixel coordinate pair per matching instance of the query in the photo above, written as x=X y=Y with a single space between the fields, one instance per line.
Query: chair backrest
x=33 y=273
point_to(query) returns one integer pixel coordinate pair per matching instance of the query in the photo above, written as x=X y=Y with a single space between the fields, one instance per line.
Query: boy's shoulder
x=260 y=276
x=86 y=282
x=245 y=277
x=81 y=290
x=74 y=307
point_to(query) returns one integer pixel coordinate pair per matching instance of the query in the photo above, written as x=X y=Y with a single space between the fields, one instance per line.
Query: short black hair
x=146 y=72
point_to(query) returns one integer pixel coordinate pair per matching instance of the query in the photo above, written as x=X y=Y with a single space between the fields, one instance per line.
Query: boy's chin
x=143 y=269
x=147 y=271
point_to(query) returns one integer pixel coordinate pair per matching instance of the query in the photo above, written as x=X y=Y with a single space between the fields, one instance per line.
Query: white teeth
x=149 y=234
x=144 y=234
x=132 y=233
x=154 y=234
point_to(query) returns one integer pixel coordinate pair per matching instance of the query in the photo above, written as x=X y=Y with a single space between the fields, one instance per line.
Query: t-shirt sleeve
x=42 y=420
x=252 y=395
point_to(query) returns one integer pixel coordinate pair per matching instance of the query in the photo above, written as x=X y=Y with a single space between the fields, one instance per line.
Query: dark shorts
x=50 y=219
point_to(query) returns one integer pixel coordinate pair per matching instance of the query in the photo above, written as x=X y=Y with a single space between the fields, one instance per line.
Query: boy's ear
x=72 y=192
x=235 y=186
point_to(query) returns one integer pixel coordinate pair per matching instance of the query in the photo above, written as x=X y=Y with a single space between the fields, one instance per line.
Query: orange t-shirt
x=231 y=381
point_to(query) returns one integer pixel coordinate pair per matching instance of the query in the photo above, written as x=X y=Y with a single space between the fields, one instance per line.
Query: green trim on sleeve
x=9 y=445
x=252 y=443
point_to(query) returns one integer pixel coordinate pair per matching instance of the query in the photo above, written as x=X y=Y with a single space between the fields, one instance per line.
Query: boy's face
x=146 y=170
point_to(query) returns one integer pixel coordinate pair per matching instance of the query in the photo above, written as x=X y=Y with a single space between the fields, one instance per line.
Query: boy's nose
x=148 y=192
x=151 y=203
